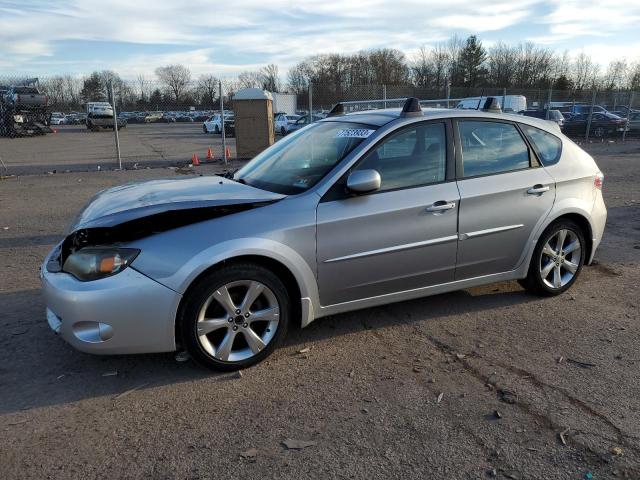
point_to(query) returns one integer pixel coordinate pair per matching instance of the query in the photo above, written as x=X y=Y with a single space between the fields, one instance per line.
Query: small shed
x=253 y=109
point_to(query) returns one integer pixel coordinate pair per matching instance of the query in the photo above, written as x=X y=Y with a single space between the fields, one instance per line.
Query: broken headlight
x=93 y=263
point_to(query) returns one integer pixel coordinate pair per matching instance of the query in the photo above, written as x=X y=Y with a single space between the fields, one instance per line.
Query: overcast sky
x=227 y=37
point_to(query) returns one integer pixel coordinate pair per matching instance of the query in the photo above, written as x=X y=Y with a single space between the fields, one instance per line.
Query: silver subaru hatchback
x=353 y=211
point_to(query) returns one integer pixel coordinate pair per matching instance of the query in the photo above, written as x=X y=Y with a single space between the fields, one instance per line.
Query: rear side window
x=491 y=147
x=548 y=147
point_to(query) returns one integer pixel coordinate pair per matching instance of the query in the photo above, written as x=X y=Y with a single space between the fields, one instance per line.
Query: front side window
x=298 y=162
x=547 y=146
x=491 y=147
x=412 y=157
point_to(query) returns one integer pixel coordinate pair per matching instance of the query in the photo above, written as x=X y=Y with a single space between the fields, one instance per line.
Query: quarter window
x=547 y=146
x=412 y=157
x=491 y=147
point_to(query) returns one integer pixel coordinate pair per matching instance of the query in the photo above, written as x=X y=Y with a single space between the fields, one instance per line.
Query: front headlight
x=92 y=263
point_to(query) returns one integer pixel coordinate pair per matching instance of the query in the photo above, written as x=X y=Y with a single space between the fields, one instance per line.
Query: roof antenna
x=480 y=99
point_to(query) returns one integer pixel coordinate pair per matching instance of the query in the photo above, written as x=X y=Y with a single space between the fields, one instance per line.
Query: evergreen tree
x=472 y=62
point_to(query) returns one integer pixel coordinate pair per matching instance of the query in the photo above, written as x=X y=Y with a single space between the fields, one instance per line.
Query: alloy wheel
x=238 y=320
x=560 y=259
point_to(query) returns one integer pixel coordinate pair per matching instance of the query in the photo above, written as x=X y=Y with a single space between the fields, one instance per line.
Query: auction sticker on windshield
x=354 y=133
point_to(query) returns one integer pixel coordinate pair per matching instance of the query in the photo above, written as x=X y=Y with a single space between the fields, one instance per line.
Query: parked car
x=602 y=124
x=100 y=115
x=302 y=121
x=551 y=115
x=167 y=118
x=183 y=117
x=57 y=118
x=355 y=211
x=214 y=123
x=620 y=110
x=634 y=123
x=283 y=121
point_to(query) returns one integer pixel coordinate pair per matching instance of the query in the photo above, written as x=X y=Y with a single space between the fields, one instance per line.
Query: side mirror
x=364 y=181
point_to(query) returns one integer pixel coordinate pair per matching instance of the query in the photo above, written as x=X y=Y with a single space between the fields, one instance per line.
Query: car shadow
x=38 y=369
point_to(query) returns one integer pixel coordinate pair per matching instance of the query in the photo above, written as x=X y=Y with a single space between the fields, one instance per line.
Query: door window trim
x=450 y=163
x=534 y=162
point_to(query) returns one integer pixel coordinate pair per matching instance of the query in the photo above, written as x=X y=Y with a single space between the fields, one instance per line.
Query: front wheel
x=557 y=259
x=235 y=317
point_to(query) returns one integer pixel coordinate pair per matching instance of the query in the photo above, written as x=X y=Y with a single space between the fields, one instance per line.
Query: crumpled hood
x=137 y=200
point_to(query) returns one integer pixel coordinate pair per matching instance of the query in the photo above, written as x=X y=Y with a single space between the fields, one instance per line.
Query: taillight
x=598 y=181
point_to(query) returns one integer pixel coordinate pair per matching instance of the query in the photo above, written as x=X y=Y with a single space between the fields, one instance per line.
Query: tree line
x=454 y=63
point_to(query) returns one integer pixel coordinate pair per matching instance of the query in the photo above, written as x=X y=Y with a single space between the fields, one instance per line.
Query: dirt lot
x=409 y=390
x=78 y=149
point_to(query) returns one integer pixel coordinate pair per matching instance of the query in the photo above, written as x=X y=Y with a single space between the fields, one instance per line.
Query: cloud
x=228 y=38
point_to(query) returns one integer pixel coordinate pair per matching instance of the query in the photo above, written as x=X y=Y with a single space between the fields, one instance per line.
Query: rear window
x=548 y=147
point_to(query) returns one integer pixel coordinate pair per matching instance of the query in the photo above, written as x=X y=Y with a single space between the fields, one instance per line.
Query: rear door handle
x=441 y=206
x=538 y=189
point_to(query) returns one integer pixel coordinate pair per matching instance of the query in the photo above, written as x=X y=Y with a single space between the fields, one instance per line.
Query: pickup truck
x=24 y=96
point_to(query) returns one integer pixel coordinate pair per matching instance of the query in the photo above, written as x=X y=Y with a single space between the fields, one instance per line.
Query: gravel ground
x=471 y=384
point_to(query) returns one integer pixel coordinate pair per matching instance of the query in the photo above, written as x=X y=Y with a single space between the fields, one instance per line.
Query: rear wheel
x=598 y=132
x=235 y=317
x=557 y=259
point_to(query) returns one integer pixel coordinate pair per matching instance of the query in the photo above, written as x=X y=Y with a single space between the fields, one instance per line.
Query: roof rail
x=411 y=108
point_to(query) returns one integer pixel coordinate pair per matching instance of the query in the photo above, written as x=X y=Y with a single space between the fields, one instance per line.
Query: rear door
x=402 y=236
x=504 y=195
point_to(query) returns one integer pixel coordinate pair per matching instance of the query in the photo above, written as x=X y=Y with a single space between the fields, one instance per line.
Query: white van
x=512 y=103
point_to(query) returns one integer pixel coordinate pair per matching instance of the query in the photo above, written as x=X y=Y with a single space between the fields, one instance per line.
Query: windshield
x=298 y=162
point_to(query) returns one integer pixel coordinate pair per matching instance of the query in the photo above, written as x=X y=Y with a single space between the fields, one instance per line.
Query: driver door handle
x=538 y=189
x=441 y=206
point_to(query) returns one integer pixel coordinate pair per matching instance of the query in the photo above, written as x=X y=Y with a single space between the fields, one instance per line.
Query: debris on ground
x=617 y=451
x=351 y=373
x=507 y=396
x=460 y=356
x=580 y=363
x=562 y=437
x=127 y=392
x=417 y=369
x=5 y=228
x=237 y=375
x=182 y=356
x=588 y=476
x=250 y=454
x=492 y=473
x=305 y=350
x=439 y=399
x=293 y=444
x=113 y=373
x=497 y=414
x=560 y=359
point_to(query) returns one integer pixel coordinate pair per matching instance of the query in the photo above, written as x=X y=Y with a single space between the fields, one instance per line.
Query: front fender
x=292 y=260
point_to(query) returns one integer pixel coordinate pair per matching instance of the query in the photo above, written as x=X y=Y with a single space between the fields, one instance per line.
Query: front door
x=504 y=196
x=402 y=236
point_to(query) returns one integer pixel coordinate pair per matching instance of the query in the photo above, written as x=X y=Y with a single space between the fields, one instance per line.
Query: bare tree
x=207 y=89
x=249 y=79
x=584 y=71
x=270 y=78
x=143 y=86
x=176 y=79
x=616 y=74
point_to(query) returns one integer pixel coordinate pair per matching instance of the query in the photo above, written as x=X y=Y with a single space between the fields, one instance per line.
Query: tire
x=204 y=129
x=561 y=268
x=216 y=130
x=225 y=344
x=283 y=131
x=598 y=132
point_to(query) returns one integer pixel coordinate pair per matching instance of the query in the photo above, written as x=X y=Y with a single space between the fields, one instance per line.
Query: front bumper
x=123 y=314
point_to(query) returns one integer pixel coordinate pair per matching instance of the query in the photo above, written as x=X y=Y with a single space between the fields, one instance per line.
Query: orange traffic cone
x=227 y=153
x=209 y=154
x=195 y=160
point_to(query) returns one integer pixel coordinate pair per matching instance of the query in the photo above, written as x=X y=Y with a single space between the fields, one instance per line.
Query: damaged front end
x=112 y=234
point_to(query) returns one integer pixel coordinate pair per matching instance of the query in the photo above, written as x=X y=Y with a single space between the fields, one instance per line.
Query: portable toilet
x=254 y=130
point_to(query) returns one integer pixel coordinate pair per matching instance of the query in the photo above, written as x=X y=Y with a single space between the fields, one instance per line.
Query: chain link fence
x=62 y=123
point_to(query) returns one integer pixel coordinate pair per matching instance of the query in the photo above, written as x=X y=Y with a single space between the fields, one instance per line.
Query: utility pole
x=224 y=138
x=115 y=126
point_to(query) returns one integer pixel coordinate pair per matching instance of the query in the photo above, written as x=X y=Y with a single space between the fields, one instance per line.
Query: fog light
x=93 y=332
